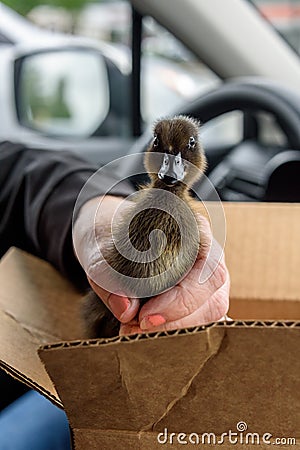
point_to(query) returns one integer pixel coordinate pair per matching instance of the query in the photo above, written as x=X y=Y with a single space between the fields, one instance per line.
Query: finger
x=131 y=327
x=122 y=307
x=206 y=236
x=214 y=309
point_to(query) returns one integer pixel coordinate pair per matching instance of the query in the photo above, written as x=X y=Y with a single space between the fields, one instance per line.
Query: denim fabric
x=33 y=423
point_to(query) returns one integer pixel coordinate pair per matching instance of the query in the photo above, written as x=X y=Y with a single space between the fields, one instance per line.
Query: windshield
x=284 y=16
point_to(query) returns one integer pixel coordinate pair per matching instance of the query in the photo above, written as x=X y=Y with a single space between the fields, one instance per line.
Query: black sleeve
x=38 y=191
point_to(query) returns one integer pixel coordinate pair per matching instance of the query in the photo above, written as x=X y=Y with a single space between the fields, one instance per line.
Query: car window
x=224 y=130
x=270 y=132
x=284 y=16
x=171 y=75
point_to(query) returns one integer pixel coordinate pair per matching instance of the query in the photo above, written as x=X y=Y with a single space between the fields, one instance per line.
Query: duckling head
x=175 y=158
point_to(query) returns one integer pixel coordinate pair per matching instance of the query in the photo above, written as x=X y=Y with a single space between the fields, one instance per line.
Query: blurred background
x=109 y=20
x=170 y=75
x=179 y=76
x=93 y=76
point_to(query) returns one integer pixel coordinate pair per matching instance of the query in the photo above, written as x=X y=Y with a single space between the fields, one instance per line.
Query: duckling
x=157 y=241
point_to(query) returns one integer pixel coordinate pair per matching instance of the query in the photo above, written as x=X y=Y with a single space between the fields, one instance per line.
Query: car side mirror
x=62 y=92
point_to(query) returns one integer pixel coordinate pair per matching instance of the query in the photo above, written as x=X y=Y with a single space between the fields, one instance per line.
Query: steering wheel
x=250 y=170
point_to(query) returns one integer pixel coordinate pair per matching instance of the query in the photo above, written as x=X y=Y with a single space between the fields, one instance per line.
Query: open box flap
x=37 y=306
x=263 y=258
x=197 y=380
x=142 y=376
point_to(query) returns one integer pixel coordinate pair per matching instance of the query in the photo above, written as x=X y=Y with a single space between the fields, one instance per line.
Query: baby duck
x=157 y=241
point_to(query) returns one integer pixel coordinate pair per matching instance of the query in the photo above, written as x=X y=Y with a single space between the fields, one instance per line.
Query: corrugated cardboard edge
x=145 y=438
x=126 y=339
x=144 y=336
x=30 y=383
x=162 y=334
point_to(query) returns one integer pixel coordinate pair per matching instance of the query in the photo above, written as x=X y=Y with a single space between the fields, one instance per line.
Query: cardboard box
x=185 y=387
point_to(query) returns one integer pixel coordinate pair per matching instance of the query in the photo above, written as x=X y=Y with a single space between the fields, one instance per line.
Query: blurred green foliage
x=24 y=6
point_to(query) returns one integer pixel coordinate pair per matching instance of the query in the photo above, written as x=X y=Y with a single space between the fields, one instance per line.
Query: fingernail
x=119 y=305
x=152 y=321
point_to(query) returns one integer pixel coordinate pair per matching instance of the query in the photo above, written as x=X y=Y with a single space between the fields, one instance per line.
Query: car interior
x=261 y=164
x=248 y=103
x=249 y=109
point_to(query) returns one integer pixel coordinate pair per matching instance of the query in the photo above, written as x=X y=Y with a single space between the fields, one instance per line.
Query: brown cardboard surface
x=263 y=257
x=37 y=306
x=198 y=380
x=121 y=393
x=133 y=371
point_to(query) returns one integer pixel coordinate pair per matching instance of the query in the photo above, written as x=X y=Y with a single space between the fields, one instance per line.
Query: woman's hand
x=192 y=302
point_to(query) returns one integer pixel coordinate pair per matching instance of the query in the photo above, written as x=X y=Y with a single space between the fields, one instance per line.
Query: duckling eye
x=192 y=142
x=155 y=141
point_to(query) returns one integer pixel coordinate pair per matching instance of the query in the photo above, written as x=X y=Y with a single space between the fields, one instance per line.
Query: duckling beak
x=172 y=169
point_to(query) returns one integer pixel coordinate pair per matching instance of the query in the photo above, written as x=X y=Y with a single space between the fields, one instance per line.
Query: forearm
x=38 y=191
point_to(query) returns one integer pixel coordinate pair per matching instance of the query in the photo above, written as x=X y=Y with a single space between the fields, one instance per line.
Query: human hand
x=92 y=230
x=187 y=304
